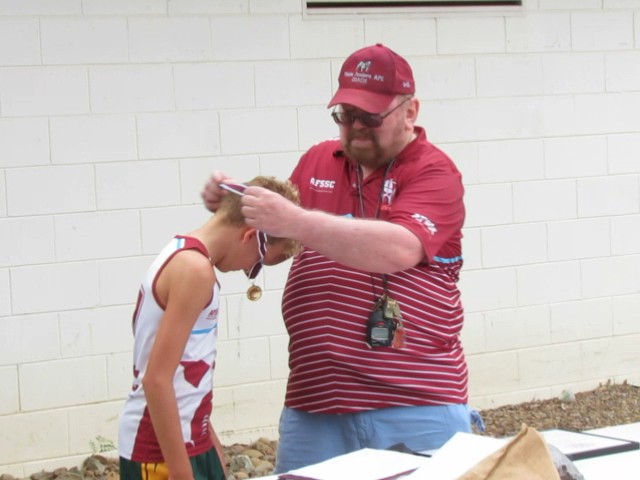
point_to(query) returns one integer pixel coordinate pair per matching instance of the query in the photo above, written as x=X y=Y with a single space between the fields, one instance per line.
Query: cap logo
x=363 y=66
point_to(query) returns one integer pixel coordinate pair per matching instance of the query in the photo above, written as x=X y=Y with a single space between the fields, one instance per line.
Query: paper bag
x=525 y=457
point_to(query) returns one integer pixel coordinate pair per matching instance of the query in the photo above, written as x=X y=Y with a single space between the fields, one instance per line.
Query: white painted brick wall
x=592 y=31
x=411 y=36
x=509 y=75
x=50 y=190
x=625 y=235
x=574 y=321
x=610 y=276
x=566 y=73
x=113 y=113
x=34 y=91
x=207 y=6
x=166 y=39
x=83 y=421
x=443 y=78
x=544 y=200
x=40 y=7
x=180 y=134
x=571 y=157
x=539 y=32
x=608 y=196
x=119 y=376
x=567 y=239
x=271 y=130
x=92 y=332
x=623 y=153
x=311 y=39
x=5 y=292
x=625 y=314
x=131 y=88
x=87 y=236
x=502 y=291
x=488 y=205
x=81 y=40
x=25 y=346
x=3 y=195
x=137 y=184
x=24 y=142
x=124 y=7
x=9 y=399
x=471 y=35
x=519 y=328
x=26 y=241
x=548 y=283
x=250 y=38
x=214 y=85
x=510 y=161
x=19 y=41
x=32 y=434
x=119 y=280
x=514 y=245
x=292 y=83
x=60 y=286
x=42 y=385
x=92 y=139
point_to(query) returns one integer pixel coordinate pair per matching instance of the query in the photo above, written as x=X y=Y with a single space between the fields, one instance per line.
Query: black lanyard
x=377 y=212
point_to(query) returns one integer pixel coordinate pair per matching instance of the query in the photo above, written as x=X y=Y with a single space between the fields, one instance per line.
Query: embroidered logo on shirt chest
x=388 y=192
x=322 y=185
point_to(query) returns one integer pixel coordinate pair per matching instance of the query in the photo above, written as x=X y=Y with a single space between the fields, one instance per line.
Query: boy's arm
x=185 y=284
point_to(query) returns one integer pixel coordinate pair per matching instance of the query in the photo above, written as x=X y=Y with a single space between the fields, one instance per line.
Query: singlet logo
x=322 y=185
x=428 y=224
x=213 y=313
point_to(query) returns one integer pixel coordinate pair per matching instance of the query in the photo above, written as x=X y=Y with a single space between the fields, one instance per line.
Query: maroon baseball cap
x=371 y=77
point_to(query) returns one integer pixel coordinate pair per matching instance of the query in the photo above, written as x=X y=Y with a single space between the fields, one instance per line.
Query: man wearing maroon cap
x=371 y=305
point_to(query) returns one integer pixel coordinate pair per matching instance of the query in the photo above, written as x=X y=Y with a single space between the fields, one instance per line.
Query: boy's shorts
x=206 y=466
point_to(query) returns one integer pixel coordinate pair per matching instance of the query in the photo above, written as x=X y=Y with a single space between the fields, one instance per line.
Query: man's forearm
x=367 y=244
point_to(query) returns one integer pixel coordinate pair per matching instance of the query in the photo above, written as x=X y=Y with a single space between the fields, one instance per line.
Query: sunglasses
x=370 y=120
x=252 y=273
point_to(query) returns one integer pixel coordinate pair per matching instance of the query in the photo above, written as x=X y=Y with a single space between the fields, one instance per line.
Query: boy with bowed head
x=165 y=430
x=371 y=305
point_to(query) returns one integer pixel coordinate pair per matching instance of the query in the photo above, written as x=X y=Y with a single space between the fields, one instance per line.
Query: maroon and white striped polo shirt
x=326 y=304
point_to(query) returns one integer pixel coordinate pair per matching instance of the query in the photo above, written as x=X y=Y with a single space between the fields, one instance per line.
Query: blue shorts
x=308 y=438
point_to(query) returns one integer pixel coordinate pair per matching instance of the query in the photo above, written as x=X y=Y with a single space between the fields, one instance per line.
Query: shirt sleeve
x=429 y=203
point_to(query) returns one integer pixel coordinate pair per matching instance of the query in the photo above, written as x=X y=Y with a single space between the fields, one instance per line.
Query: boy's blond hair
x=230 y=208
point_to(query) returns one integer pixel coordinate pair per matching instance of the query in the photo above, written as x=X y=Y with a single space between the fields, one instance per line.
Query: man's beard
x=371 y=156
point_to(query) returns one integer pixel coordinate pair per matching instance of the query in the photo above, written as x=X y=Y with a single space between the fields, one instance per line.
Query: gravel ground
x=609 y=404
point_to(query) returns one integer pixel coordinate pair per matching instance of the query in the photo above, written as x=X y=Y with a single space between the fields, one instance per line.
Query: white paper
x=365 y=464
x=457 y=456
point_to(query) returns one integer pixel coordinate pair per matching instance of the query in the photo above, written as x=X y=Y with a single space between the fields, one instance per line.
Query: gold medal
x=254 y=293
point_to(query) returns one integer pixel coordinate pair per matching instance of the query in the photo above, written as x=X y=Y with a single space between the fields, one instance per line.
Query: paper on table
x=457 y=456
x=365 y=464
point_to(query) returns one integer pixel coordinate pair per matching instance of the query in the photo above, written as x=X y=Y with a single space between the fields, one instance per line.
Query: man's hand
x=211 y=193
x=270 y=212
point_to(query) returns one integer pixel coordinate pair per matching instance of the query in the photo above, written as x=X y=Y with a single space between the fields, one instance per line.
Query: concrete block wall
x=114 y=112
